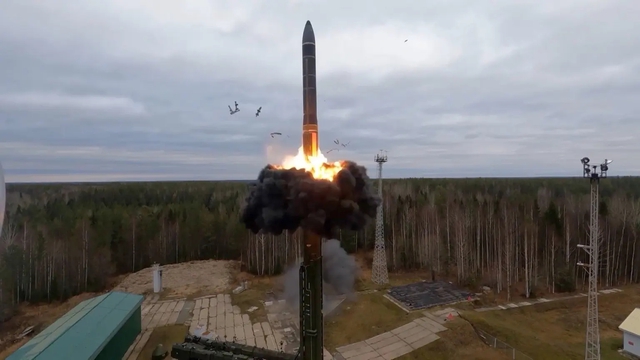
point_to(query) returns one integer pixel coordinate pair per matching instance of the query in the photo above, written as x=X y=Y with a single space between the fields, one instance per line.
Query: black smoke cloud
x=286 y=199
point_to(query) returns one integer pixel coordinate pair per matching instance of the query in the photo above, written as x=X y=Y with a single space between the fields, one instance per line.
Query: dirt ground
x=182 y=280
x=40 y=316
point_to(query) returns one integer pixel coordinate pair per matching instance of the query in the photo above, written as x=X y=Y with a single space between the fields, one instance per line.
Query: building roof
x=632 y=323
x=82 y=332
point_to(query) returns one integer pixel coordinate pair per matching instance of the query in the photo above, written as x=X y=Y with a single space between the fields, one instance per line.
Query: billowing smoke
x=288 y=199
x=339 y=272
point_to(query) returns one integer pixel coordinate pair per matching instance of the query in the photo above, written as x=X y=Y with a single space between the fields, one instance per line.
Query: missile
x=309 y=95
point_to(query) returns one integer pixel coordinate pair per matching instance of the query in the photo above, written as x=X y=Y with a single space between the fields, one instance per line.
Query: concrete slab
x=424 y=341
x=379 y=338
x=408 y=333
x=271 y=343
x=266 y=328
x=237 y=319
x=230 y=333
x=261 y=342
x=404 y=328
x=228 y=320
x=430 y=325
x=395 y=350
x=248 y=332
x=366 y=356
x=386 y=342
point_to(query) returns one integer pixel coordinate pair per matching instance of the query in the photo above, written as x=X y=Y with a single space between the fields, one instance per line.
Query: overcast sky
x=139 y=89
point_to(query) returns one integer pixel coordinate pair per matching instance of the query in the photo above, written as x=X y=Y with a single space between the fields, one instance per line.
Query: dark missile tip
x=307 y=34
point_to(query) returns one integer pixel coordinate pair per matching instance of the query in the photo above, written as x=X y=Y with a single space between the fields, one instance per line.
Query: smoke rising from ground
x=288 y=199
x=339 y=272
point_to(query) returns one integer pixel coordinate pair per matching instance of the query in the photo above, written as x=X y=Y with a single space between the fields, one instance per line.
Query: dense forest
x=63 y=239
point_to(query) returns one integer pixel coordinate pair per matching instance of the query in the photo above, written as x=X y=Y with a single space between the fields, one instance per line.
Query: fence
x=501 y=345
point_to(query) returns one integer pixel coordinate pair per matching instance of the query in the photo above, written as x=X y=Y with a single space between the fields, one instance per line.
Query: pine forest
x=511 y=234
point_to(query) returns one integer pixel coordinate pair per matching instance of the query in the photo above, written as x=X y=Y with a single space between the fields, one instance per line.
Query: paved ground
x=399 y=341
x=157 y=313
x=543 y=300
x=217 y=314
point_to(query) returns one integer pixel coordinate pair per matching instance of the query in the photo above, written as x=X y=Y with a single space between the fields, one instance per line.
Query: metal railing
x=501 y=345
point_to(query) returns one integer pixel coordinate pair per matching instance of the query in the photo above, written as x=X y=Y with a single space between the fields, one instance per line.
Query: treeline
x=60 y=240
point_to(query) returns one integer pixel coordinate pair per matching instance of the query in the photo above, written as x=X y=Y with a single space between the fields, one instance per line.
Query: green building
x=101 y=328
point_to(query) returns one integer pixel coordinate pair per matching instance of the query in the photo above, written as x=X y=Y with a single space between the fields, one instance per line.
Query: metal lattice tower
x=379 y=273
x=592 y=343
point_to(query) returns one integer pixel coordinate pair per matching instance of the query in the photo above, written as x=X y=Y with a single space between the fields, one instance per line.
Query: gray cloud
x=126 y=90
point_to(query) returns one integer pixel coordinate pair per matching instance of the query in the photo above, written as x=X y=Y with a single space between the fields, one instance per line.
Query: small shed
x=101 y=328
x=631 y=333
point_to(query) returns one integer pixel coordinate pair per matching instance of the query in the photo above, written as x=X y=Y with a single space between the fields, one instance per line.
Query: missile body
x=309 y=95
x=311 y=318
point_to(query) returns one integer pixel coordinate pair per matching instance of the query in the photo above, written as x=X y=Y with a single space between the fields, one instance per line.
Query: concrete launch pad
x=422 y=295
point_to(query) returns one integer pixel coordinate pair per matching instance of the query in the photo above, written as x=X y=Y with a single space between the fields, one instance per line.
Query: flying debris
x=232 y=111
x=258 y=112
x=336 y=141
x=334 y=149
x=345 y=145
x=406 y=40
x=275 y=133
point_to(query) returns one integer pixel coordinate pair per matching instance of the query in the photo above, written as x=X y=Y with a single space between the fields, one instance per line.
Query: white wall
x=631 y=343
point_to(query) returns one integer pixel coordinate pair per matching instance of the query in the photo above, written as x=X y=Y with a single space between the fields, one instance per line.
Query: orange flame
x=318 y=166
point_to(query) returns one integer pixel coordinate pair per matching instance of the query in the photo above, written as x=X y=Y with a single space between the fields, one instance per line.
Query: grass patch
x=459 y=342
x=557 y=329
x=367 y=316
x=165 y=335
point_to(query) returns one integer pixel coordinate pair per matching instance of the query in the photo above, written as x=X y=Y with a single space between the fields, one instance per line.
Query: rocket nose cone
x=307 y=34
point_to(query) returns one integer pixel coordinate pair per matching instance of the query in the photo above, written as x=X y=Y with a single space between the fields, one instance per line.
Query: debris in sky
x=276 y=133
x=334 y=149
x=232 y=111
x=258 y=112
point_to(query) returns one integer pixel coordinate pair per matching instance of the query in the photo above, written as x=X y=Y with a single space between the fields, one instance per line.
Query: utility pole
x=379 y=272
x=592 y=343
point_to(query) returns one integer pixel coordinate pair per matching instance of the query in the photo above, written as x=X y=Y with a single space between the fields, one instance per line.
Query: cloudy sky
x=138 y=89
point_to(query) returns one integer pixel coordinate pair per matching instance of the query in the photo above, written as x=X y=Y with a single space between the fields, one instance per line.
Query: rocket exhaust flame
x=317 y=165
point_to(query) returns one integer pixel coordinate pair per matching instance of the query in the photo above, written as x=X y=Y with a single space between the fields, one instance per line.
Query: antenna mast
x=379 y=273
x=592 y=343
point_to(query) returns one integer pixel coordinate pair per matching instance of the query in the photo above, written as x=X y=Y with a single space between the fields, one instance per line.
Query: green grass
x=556 y=330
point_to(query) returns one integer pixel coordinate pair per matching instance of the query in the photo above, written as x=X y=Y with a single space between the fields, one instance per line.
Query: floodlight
x=585 y=160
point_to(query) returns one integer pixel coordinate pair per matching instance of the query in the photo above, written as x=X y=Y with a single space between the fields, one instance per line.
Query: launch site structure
x=379 y=271
x=592 y=339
